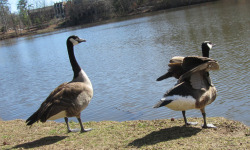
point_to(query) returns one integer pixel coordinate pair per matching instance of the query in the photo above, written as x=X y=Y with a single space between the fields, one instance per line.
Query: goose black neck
x=75 y=66
x=205 y=51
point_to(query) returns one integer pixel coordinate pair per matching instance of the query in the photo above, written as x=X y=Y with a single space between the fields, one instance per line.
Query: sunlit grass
x=155 y=134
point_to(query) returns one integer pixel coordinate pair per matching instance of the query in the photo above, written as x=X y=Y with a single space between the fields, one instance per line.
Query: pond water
x=123 y=58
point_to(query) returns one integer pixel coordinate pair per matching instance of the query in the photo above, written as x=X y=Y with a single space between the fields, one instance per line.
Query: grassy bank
x=155 y=134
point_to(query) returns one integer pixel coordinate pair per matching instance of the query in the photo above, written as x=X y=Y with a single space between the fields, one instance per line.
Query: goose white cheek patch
x=74 y=42
x=209 y=45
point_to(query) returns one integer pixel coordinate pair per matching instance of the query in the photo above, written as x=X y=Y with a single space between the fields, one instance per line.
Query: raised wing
x=176 y=59
x=198 y=74
x=191 y=62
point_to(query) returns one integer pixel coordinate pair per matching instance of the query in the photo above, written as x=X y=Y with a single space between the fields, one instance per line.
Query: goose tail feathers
x=32 y=119
x=165 y=76
x=162 y=102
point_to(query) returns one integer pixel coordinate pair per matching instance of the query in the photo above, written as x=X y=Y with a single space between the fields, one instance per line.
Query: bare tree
x=4 y=15
x=23 y=7
x=15 y=22
x=122 y=6
x=86 y=11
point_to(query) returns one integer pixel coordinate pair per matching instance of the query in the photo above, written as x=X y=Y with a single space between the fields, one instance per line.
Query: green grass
x=154 y=134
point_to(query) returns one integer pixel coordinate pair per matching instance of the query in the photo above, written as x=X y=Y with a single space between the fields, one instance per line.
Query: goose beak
x=81 y=40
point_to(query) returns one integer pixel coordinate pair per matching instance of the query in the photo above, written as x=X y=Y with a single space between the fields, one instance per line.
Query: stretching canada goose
x=194 y=89
x=68 y=99
x=175 y=63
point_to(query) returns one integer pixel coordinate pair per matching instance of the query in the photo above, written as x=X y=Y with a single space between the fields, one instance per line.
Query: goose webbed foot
x=205 y=125
x=191 y=123
x=185 y=120
x=73 y=130
x=208 y=126
x=79 y=130
x=82 y=129
x=86 y=130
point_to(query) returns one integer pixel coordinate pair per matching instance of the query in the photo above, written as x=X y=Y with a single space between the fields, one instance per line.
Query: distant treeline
x=75 y=12
x=85 y=11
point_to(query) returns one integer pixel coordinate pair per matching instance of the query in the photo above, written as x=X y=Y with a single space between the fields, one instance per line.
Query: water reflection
x=123 y=60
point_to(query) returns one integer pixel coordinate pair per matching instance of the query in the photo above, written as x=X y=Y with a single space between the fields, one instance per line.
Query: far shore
x=56 y=24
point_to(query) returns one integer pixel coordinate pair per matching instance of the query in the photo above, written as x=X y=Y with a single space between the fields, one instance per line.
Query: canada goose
x=175 y=68
x=68 y=99
x=194 y=89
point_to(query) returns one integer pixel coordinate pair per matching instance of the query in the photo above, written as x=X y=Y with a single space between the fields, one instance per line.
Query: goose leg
x=67 y=123
x=205 y=125
x=184 y=116
x=76 y=130
x=82 y=129
x=185 y=120
x=70 y=130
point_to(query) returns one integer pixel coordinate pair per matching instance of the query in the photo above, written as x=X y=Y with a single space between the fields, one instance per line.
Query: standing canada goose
x=175 y=63
x=68 y=99
x=194 y=89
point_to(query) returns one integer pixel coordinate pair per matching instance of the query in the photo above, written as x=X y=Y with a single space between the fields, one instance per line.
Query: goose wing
x=198 y=75
x=176 y=59
x=191 y=62
x=62 y=98
x=175 y=68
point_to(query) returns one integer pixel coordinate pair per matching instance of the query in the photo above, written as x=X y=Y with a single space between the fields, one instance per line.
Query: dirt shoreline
x=137 y=134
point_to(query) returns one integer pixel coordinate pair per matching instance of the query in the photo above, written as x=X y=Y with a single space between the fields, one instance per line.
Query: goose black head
x=206 y=46
x=75 y=40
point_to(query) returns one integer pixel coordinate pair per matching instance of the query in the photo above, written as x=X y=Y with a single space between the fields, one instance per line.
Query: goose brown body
x=68 y=98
